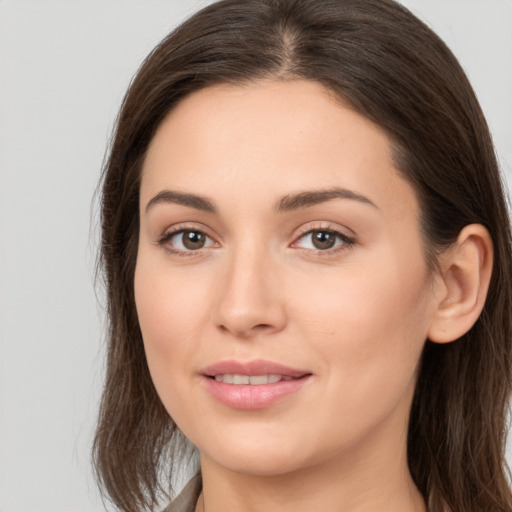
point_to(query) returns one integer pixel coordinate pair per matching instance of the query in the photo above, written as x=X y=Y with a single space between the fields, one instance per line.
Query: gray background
x=64 y=67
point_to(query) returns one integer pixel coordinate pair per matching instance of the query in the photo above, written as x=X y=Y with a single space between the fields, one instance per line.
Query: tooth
x=254 y=380
x=258 y=379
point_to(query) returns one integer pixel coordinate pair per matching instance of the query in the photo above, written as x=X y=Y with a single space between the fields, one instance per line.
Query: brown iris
x=323 y=240
x=193 y=240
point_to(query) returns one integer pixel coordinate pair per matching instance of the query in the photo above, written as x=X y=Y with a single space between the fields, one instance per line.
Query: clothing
x=187 y=498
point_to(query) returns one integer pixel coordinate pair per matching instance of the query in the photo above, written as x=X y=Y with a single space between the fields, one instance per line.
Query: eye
x=323 y=240
x=187 y=240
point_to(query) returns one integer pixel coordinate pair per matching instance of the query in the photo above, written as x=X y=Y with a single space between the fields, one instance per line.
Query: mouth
x=254 y=384
x=259 y=368
x=252 y=380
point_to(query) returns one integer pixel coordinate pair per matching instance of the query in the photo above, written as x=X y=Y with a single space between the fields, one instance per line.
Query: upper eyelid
x=166 y=235
x=345 y=238
x=298 y=233
x=185 y=226
x=323 y=225
x=165 y=238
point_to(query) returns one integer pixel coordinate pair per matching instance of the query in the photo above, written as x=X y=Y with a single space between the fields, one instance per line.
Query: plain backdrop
x=64 y=67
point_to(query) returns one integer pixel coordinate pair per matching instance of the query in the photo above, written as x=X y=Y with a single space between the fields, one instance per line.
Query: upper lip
x=251 y=368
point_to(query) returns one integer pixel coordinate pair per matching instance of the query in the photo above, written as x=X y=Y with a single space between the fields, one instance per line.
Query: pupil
x=323 y=239
x=193 y=240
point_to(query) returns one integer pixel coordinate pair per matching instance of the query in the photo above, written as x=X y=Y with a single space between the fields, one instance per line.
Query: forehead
x=271 y=138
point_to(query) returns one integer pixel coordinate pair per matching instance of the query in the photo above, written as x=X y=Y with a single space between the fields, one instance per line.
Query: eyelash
x=168 y=236
x=343 y=241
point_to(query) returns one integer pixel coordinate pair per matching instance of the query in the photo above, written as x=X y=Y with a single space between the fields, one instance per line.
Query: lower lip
x=246 y=396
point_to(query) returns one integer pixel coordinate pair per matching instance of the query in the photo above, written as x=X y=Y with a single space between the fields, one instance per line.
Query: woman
x=307 y=257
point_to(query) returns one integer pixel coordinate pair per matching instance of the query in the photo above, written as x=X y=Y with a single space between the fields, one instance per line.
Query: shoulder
x=187 y=498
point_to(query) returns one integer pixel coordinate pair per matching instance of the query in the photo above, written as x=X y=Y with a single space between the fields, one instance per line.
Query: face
x=281 y=286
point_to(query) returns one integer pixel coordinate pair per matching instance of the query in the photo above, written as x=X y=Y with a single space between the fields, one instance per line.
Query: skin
x=355 y=316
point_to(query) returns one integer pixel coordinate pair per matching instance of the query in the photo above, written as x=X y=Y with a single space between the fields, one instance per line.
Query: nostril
x=262 y=326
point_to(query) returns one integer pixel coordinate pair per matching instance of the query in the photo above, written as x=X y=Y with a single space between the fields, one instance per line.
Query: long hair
x=391 y=68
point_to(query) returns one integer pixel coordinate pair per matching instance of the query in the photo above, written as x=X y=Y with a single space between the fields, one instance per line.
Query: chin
x=264 y=455
x=260 y=463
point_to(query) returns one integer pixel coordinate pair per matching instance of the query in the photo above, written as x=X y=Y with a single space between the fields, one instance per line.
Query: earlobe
x=466 y=270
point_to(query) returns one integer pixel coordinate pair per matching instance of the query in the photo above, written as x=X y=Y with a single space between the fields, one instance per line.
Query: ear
x=466 y=270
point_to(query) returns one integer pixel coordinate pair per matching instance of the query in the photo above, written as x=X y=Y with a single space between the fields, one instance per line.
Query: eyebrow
x=313 y=197
x=191 y=200
x=287 y=203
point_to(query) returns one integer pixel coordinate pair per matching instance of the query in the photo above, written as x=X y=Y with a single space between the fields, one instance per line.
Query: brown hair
x=394 y=70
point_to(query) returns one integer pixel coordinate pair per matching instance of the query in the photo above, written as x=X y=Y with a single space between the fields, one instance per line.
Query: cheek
x=168 y=304
x=372 y=323
x=169 y=309
x=368 y=337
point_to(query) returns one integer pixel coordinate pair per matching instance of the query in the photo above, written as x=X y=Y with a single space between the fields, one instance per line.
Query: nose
x=250 y=300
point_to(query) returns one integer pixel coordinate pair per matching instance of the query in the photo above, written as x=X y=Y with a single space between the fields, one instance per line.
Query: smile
x=253 y=380
x=253 y=384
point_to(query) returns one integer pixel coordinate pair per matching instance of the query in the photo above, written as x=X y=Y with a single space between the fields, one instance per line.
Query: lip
x=247 y=396
x=251 y=368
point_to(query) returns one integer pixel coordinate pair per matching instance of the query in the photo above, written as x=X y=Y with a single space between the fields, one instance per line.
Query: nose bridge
x=250 y=300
